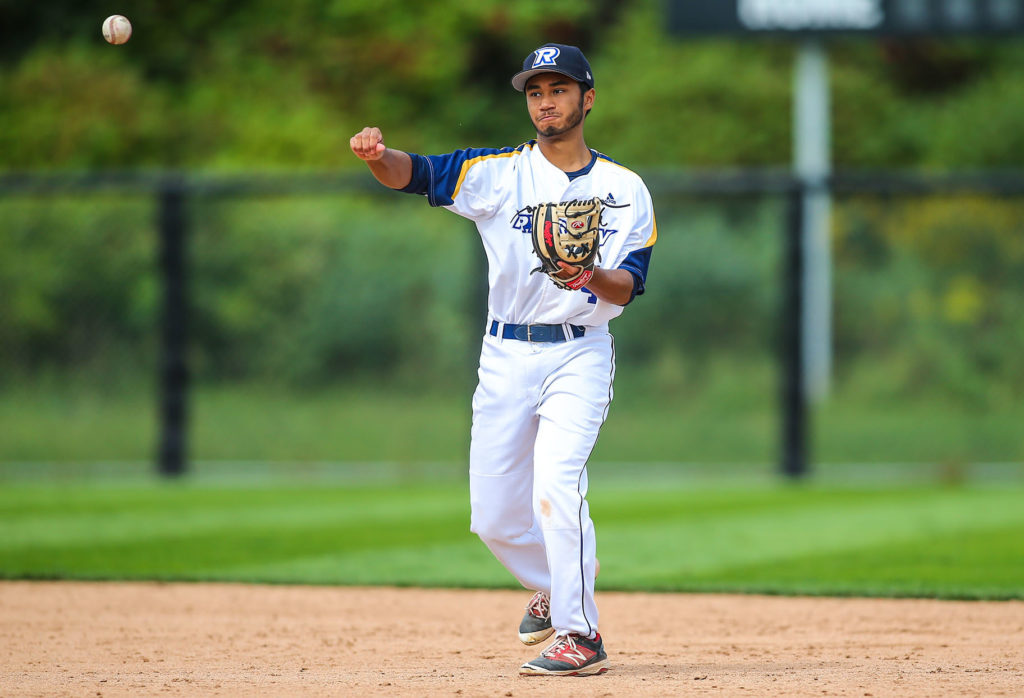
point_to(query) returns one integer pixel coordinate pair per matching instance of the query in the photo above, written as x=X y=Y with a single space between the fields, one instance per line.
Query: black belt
x=536 y=333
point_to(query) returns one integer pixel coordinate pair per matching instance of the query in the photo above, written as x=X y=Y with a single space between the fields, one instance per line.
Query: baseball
x=117 y=29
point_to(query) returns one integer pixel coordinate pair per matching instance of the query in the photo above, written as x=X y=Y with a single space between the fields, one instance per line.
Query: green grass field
x=934 y=541
x=364 y=486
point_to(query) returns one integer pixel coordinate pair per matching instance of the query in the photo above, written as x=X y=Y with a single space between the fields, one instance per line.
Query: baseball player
x=547 y=361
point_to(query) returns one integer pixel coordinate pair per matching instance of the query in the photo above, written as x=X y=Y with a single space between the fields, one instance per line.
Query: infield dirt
x=116 y=639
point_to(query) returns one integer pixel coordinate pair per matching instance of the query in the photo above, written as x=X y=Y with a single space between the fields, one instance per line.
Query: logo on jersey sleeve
x=545 y=56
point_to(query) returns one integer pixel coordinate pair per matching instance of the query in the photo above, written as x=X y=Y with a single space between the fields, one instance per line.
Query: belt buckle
x=545 y=333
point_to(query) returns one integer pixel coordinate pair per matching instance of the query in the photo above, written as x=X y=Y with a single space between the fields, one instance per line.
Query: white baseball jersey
x=498 y=189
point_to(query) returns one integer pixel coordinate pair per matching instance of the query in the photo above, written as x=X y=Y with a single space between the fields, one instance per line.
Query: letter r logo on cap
x=546 y=56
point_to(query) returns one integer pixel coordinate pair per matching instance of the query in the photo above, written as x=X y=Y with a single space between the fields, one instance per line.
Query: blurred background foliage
x=314 y=291
x=228 y=84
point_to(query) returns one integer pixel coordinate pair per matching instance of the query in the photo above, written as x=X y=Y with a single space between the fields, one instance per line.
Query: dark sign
x=870 y=17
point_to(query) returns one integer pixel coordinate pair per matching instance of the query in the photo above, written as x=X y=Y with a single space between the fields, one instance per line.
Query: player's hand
x=568 y=270
x=368 y=144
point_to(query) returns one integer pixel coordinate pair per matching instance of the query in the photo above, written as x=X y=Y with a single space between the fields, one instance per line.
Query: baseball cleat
x=569 y=655
x=536 y=624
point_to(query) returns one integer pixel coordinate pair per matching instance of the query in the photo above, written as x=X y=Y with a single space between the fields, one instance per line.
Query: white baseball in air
x=117 y=29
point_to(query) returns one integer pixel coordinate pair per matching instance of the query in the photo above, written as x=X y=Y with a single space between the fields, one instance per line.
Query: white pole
x=812 y=162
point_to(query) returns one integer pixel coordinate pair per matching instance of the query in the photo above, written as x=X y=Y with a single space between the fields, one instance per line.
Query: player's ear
x=588 y=100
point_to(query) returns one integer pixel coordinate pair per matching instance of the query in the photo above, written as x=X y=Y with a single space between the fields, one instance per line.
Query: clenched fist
x=368 y=144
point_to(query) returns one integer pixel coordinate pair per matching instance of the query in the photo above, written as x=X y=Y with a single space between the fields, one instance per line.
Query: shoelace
x=562 y=644
x=540 y=605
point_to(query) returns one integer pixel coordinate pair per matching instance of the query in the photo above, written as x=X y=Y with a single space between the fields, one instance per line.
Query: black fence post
x=172 y=454
x=794 y=400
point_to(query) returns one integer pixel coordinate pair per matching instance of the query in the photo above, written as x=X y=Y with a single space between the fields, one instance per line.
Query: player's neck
x=568 y=152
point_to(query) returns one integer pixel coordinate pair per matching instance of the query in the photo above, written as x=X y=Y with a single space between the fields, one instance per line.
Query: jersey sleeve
x=459 y=181
x=635 y=253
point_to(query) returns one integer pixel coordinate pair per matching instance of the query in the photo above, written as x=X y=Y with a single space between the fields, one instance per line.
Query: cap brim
x=519 y=79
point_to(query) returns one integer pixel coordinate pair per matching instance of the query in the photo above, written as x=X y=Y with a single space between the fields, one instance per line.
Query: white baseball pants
x=537 y=411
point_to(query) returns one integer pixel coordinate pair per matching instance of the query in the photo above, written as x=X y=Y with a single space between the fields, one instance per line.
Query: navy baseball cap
x=555 y=58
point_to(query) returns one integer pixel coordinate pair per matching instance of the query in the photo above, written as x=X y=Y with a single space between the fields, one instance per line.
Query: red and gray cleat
x=536 y=624
x=569 y=655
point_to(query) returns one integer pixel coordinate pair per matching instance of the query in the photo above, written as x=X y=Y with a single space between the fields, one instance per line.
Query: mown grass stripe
x=676 y=503
x=805 y=526
x=176 y=517
x=181 y=555
x=984 y=563
x=465 y=562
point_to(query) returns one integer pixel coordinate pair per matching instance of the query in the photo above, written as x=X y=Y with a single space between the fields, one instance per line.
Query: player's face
x=556 y=103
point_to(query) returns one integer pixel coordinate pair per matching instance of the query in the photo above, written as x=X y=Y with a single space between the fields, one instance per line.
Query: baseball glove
x=569 y=232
